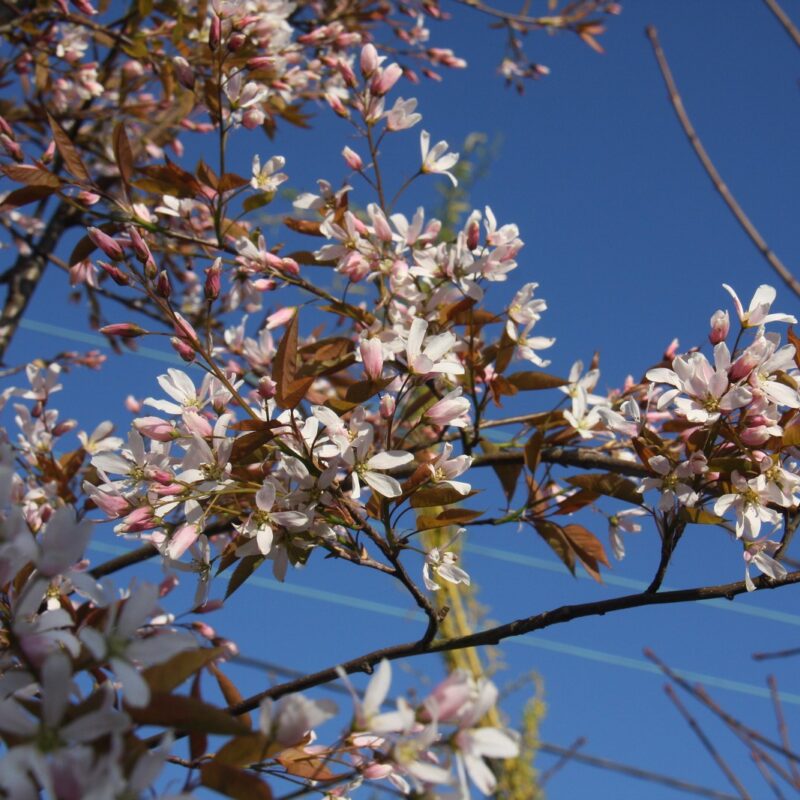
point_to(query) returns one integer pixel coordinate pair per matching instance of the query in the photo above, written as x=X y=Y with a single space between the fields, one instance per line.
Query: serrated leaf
x=452 y=516
x=234 y=782
x=68 y=151
x=533 y=381
x=186 y=714
x=244 y=569
x=608 y=484
x=123 y=154
x=172 y=673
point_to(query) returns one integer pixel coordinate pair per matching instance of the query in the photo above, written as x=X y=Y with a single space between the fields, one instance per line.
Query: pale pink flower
x=267 y=178
x=759 y=553
x=444 y=469
x=758 y=311
x=452 y=409
x=426 y=356
x=437 y=160
x=748 y=500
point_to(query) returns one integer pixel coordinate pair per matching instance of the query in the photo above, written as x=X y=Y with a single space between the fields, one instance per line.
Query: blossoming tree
x=360 y=436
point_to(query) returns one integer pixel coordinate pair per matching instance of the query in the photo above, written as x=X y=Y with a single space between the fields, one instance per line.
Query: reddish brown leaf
x=296 y=761
x=234 y=782
x=186 y=714
x=532 y=381
x=242 y=751
x=31 y=176
x=437 y=496
x=123 y=155
x=68 y=151
x=24 y=195
x=172 y=673
x=244 y=569
x=608 y=484
x=452 y=516
x=229 y=690
x=533 y=450
x=307 y=226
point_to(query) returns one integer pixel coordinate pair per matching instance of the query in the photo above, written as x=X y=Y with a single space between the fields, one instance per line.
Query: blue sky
x=630 y=245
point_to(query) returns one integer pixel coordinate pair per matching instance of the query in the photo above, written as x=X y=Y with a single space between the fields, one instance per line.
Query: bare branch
x=783 y=18
x=491 y=636
x=691 y=134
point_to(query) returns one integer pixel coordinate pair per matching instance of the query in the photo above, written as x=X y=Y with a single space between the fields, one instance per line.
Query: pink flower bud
x=347 y=73
x=215 y=33
x=116 y=274
x=185 y=351
x=267 y=388
x=203 y=628
x=88 y=198
x=213 y=282
x=372 y=357
x=5 y=127
x=181 y=540
x=140 y=519
x=473 y=235
x=155 y=428
x=720 y=325
x=387 y=406
x=383 y=80
x=369 y=60
x=12 y=148
x=197 y=424
x=352 y=159
x=132 y=404
x=163 y=285
x=230 y=647
x=236 y=42
x=65 y=427
x=138 y=244
x=183 y=72
x=49 y=152
x=127 y=330
x=108 y=245
x=184 y=329
x=337 y=105
x=280 y=317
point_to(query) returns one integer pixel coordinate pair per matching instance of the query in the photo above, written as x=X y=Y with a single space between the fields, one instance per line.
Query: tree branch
x=783 y=18
x=691 y=134
x=492 y=636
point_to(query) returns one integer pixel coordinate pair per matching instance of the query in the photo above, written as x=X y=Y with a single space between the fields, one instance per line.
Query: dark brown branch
x=121 y=562
x=783 y=18
x=493 y=636
x=677 y=103
x=783 y=729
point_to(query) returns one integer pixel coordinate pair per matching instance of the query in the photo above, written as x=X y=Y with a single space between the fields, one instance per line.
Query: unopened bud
x=383 y=80
x=184 y=350
x=12 y=148
x=132 y=404
x=213 y=280
x=126 y=330
x=215 y=33
x=387 y=405
x=473 y=235
x=267 y=388
x=183 y=72
x=352 y=159
x=236 y=42
x=65 y=427
x=116 y=274
x=138 y=244
x=109 y=246
x=369 y=60
x=163 y=285
x=720 y=325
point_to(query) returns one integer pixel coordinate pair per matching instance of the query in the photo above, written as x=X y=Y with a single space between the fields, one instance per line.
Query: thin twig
x=565 y=757
x=636 y=772
x=707 y=743
x=783 y=730
x=677 y=103
x=783 y=18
